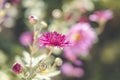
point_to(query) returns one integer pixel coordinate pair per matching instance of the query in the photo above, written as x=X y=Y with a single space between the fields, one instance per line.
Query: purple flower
x=26 y=38
x=72 y=71
x=17 y=68
x=53 y=39
x=103 y=15
x=81 y=36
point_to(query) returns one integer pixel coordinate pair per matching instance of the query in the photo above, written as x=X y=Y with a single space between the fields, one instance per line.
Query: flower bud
x=44 y=24
x=58 y=61
x=33 y=20
x=17 y=68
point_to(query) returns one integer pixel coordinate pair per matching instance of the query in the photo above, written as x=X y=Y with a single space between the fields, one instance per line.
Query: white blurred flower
x=56 y=13
x=12 y=12
x=30 y=3
x=9 y=22
x=79 y=4
x=86 y=4
x=4 y=76
x=35 y=7
x=3 y=58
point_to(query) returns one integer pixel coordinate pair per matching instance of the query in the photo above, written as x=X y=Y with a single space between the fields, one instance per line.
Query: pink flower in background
x=26 y=38
x=78 y=72
x=78 y=63
x=17 y=68
x=72 y=71
x=2 y=3
x=53 y=39
x=70 y=55
x=83 y=19
x=103 y=15
x=82 y=36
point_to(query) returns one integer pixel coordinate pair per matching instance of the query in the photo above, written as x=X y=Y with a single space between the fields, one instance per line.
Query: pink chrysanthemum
x=17 y=68
x=53 y=39
x=81 y=36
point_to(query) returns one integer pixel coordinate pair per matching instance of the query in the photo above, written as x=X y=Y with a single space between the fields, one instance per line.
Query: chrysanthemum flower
x=81 y=36
x=17 y=68
x=53 y=39
x=26 y=38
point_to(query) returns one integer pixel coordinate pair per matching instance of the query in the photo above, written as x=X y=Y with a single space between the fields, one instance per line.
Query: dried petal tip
x=33 y=20
x=17 y=68
x=53 y=39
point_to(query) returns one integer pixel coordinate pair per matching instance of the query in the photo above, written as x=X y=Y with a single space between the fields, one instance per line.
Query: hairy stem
x=32 y=48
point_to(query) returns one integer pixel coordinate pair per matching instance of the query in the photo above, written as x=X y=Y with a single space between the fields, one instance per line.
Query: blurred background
x=102 y=62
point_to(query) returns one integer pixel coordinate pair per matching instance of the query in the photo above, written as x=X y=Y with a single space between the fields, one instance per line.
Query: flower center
x=76 y=37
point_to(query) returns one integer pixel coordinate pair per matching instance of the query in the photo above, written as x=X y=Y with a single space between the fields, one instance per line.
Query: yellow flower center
x=44 y=72
x=76 y=37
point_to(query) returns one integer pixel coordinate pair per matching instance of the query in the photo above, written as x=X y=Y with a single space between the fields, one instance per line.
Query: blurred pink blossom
x=103 y=15
x=26 y=38
x=82 y=36
x=78 y=63
x=72 y=71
